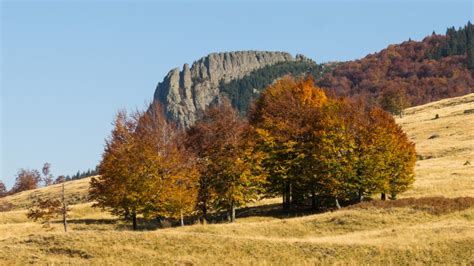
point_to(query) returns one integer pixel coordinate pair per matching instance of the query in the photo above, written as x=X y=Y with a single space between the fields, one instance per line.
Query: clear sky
x=67 y=67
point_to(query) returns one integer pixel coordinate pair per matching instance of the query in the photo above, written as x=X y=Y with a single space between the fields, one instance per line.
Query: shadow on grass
x=433 y=205
x=274 y=210
x=93 y=221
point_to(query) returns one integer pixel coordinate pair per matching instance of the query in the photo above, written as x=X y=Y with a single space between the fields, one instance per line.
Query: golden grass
x=442 y=171
x=360 y=235
x=377 y=236
x=76 y=192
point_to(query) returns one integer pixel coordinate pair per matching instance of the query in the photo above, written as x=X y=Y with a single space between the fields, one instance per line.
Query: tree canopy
x=25 y=180
x=142 y=168
x=328 y=147
x=297 y=142
x=229 y=178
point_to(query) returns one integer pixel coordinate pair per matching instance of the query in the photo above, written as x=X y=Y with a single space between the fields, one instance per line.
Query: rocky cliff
x=185 y=94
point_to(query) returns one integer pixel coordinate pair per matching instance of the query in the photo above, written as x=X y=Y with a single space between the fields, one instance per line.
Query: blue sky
x=67 y=67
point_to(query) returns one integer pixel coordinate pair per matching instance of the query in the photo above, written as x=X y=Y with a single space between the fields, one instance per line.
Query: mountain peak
x=186 y=93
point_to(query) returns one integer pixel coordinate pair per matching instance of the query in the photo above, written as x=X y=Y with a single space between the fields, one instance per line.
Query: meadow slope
x=414 y=233
x=445 y=147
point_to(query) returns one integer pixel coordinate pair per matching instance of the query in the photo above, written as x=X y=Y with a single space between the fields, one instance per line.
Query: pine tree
x=470 y=45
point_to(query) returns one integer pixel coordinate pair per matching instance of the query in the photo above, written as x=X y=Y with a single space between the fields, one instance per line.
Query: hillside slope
x=424 y=71
x=349 y=236
x=426 y=231
x=445 y=146
x=76 y=192
x=440 y=170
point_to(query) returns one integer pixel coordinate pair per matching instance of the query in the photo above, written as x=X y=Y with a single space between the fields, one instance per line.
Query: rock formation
x=185 y=94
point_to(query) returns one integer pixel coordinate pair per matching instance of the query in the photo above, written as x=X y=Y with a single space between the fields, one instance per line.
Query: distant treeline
x=28 y=179
x=436 y=68
x=457 y=42
x=83 y=174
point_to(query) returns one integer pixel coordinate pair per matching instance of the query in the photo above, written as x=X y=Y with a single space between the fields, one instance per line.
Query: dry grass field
x=446 y=146
x=76 y=191
x=410 y=231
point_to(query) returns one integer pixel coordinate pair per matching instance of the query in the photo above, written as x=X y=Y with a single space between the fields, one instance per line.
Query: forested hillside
x=241 y=92
x=438 y=67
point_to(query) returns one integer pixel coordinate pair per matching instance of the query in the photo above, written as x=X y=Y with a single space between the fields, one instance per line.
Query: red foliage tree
x=26 y=180
x=408 y=68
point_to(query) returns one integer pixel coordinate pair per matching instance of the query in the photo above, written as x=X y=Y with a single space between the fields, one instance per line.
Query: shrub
x=5 y=206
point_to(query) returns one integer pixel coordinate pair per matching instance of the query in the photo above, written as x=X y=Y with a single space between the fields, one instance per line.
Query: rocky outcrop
x=186 y=94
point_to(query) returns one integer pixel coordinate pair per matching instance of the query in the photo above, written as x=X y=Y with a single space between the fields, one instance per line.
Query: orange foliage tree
x=141 y=167
x=397 y=151
x=317 y=147
x=280 y=120
x=26 y=180
x=228 y=165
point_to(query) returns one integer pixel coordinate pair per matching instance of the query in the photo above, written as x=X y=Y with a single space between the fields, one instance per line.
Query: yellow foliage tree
x=281 y=123
x=141 y=167
x=319 y=147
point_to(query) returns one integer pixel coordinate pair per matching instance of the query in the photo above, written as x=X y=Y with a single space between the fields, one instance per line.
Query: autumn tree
x=399 y=154
x=121 y=187
x=228 y=165
x=319 y=147
x=280 y=120
x=140 y=163
x=60 y=179
x=180 y=193
x=45 y=210
x=394 y=101
x=47 y=176
x=26 y=180
x=370 y=149
x=3 y=189
x=175 y=185
x=333 y=146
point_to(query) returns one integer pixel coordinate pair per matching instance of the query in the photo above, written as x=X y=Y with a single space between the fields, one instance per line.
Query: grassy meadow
x=420 y=230
x=445 y=147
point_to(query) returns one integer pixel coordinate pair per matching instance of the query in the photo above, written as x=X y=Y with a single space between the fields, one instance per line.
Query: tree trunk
x=290 y=195
x=204 y=212
x=182 y=218
x=337 y=203
x=284 y=198
x=64 y=210
x=232 y=213
x=313 y=200
x=393 y=196
x=361 y=195
x=383 y=197
x=286 y=205
x=134 y=219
